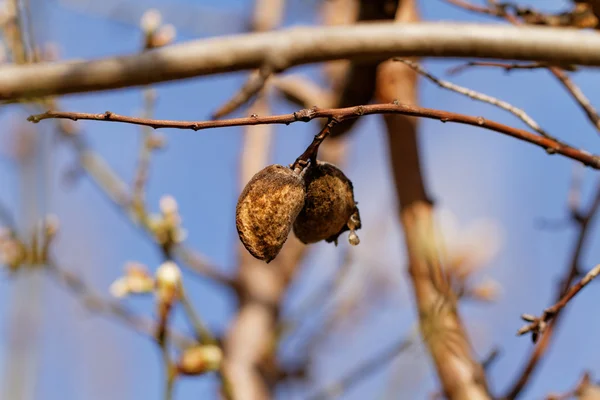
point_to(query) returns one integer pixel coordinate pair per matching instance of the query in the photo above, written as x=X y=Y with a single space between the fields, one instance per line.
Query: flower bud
x=168 y=283
x=137 y=280
x=150 y=21
x=200 y=359
x=329 y=208
x=267 y=208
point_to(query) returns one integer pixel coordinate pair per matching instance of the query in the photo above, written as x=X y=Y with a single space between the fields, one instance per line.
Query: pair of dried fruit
x=317 y=202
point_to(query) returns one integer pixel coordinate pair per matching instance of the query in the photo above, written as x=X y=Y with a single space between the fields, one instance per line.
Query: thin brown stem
x=537 y=325
x=253 y=85
x=363 y=370
x=574 y=90
x=506 y=66
x=578 y=96
x=203 y=334
x=522 y=115
x=583 y=219
x=340 y=114
x=110 y=308
x=310 y=154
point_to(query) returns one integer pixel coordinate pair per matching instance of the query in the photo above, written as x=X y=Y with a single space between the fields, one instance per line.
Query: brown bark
x=251 y=342
x=353 y=82
x=298 y=46
x=460 y=374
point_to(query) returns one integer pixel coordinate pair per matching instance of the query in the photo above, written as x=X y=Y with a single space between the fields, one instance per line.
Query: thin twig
x=310 y=154
x=584 y=220
x=575 y=92
x=506 y=66
x=578 y=96
x=538 y=325
x=253 y=85
x=320 y=296
x=363 y=370
x=169 y=368
x=551 y=146
x=110 y=308
x=202 y=332
x=519 y=113
x=475 y=8
x=111 y=185
x=143 y=166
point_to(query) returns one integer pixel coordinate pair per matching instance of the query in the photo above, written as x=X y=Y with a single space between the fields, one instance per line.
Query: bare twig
x=475 y=8
x=297 y=46
x=203 y=334
x=340 y=114
x=110 y=308
x=145 y=153
x=586 y=389
x=117 y=191
x=562 y=77
x=253 y=85
x=506 y=66
x=584 y=220
x=363 y=370
x=538 y=324
x=169 y=367
x=302 y=92
x=578 y=96
x=522 y=115
x=310 y=154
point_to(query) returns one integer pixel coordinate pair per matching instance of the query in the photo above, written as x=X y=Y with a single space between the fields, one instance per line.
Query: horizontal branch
x=297 y=46
x=339 y=114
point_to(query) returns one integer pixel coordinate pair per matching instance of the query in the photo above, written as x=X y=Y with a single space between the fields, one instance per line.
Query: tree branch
x=522 y=115
x=538 y=325
x=297 y=46
x=584 y=220
x=97 y=304
x=363 y=370
x=340 y=114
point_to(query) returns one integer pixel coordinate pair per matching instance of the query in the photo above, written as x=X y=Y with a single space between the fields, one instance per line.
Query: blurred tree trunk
x=460 y=374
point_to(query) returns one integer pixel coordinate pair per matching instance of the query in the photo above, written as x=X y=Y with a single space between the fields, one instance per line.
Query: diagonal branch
x=298 y=46
x=538 y=325
x=550 y=145
x=584 y=220
x=363 y=370
x=522 y=115
x=97 y=304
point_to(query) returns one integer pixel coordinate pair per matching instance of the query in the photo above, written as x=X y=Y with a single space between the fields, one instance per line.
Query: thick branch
x=297 y=46
x=340 y=114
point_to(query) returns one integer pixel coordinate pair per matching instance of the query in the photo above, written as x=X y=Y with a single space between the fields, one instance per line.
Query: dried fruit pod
x=329 y=207
x=267 y=208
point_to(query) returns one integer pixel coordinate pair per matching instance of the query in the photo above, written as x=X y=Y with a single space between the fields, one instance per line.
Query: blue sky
x=474 y=173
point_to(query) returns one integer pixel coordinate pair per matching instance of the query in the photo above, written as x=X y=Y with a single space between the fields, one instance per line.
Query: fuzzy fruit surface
x=267 y=208
x=328 y=206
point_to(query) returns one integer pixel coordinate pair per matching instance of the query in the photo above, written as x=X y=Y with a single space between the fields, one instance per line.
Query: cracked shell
x=329 y=208
x=267 y=208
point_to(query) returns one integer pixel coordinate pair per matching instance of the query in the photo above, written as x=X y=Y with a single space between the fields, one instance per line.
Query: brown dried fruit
x=329 y=207
x=267 y=208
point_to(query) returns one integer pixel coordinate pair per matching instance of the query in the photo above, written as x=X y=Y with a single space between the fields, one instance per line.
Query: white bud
x=168 y=205
x=150 y=20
